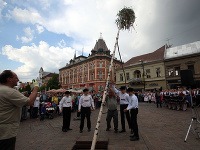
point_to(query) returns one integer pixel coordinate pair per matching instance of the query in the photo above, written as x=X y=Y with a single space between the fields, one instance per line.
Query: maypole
x=125 y=20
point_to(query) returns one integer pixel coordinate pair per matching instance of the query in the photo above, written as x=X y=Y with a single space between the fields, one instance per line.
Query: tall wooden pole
x=104 y=96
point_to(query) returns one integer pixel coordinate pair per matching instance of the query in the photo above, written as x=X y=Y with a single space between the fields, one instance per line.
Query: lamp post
x=142 y=63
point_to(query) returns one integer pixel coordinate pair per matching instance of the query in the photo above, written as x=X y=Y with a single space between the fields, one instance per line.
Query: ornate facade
x=91 y=71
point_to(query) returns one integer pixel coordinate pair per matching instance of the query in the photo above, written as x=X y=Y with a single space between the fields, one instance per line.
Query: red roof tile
x=154 y=56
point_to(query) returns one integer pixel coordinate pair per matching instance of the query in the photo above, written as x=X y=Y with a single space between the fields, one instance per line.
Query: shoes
x=116 y=131
x=81 y=131
x=123 y=130
x=89 y=130
x=107 y=129
x=134 y=138
x=64 y=130
x=69 y=129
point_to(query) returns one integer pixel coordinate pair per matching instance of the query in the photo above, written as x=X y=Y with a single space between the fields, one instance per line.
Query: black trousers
x=134 y=124
x=85 y=112
x=112 y=114
x=8 y=144
x=122 y=113
x=66 y=117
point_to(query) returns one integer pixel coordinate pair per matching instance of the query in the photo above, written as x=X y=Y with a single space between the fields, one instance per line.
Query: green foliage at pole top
x=126 y=18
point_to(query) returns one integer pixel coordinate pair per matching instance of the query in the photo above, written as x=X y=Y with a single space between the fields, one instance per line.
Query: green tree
x=28 y=88
x=53 y=83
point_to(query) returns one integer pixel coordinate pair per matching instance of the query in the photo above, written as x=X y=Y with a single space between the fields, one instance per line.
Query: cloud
x=2 y=6
x=39 y=28
x=28 y=37
x=33 y=57
x=25 y=16
x=62 y=43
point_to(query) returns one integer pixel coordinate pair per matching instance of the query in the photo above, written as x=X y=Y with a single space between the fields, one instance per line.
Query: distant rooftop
x=154 y=56
x=183 y=50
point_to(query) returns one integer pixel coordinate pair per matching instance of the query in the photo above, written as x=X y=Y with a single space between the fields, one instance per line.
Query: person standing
x=86 y=104
x=112 y=112
x=11 y=102
x=158 y=98
x=65 y=107
x=36 y=106
x=133 y=108
x=124 y=101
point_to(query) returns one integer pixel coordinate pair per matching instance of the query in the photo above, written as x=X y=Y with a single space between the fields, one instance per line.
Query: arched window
x=137 y=74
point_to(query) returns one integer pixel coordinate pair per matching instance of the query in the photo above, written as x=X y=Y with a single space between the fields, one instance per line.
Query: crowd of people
x=176 y=99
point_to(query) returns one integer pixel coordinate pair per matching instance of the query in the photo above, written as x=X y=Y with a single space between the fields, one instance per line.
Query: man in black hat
x=86 y=104
x=133 y=108
x=124 y=101
x=65 y=106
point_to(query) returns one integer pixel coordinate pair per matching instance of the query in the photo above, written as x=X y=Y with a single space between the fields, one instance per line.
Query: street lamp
x=142 y=63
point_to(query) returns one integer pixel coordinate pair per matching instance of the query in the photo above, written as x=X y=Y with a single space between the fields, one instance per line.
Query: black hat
x=130 y=90
x=67 y=92
x=122 y=88
x=85 y=90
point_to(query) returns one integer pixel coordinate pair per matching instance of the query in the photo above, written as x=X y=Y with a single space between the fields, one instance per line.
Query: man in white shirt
x=86 y=104
x=65 y=107
x=133 y=107
x=124 y=101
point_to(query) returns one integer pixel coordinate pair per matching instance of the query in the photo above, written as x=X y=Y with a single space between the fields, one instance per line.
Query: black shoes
x=81 y=131
x=107 y=129
x=89 y=130
x=116 y=131
x=64 y=130
x=134 y=138
x=69 y=129
x=123 y=130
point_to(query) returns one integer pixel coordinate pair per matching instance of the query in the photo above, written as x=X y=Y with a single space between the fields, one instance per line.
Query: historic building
x=91 y=71
x=182 y=63
x=144 y=72
x=44 y=76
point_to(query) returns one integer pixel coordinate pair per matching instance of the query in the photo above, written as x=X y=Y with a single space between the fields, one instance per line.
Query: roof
x=100 y=44
x=154 y=56
x=183 y=50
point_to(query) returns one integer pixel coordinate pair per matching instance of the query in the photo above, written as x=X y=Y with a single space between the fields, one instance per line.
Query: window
x=137 y=74
x=170 y=72
x=191 y=67
x=177 y=71
x=127 y=76
x=158 y=74
x=100 y=64
x=92 y=76
x=121 y=77
x=100 y=75
x=148 y=73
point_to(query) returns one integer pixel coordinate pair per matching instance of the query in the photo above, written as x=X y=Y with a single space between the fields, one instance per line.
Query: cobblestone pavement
x=159 y=129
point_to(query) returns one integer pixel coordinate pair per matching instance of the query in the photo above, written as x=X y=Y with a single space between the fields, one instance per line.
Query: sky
x=47 y=33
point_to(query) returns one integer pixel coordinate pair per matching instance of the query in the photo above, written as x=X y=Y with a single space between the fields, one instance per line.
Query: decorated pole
x=125 y=20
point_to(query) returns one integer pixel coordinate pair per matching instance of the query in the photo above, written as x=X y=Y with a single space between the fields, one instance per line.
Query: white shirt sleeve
x=80 y=103
x=61 y=103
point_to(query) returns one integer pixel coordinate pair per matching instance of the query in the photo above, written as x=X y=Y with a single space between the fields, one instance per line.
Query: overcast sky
x=46 y=33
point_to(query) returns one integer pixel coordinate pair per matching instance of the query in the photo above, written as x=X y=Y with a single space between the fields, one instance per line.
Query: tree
x=53 y=83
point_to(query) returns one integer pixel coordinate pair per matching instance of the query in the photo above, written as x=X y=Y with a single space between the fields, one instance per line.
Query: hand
x=79 y=110
x=125 y=110
x=60 y=111
x=35 y=83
